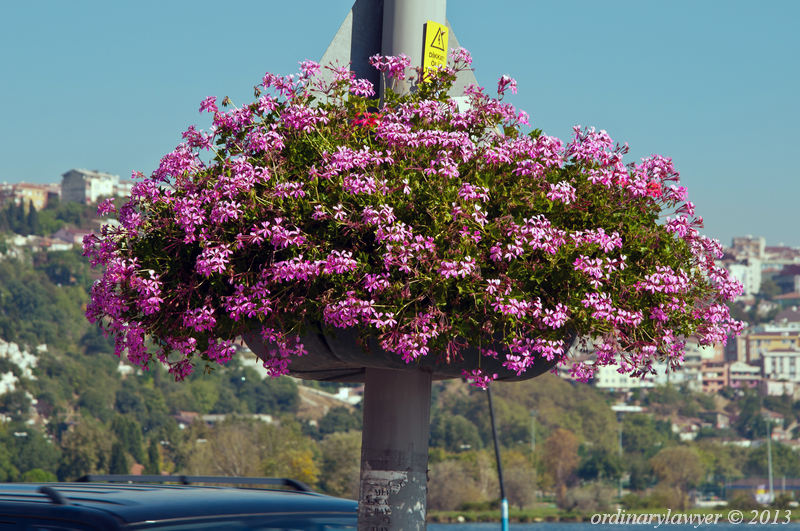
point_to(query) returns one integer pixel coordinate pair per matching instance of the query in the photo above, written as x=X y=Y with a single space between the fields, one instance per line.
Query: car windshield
x=257 y=523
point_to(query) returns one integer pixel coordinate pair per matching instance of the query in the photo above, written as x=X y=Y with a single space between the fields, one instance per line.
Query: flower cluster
x=429 y=227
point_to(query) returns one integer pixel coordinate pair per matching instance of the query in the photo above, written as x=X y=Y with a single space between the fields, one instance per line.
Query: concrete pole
x=394 y=451
x=404 y=24
x=397 y=404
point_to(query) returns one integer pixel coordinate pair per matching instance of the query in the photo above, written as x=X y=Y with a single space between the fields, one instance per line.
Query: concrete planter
x=341 y=359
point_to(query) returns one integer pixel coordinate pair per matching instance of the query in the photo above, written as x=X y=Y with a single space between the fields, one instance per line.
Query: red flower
x=654 y=190
x=368 y=119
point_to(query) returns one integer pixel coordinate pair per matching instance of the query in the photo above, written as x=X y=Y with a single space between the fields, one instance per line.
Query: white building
x=84 y=186
x=782 y=365
x=748 y=272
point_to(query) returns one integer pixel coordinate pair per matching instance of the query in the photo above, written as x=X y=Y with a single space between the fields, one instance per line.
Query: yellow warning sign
x=435 y=52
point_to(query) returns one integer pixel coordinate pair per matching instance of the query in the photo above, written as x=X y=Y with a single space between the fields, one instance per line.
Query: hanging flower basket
x=417 y=231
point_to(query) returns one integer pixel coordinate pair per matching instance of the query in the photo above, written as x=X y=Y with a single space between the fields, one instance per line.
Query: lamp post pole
x=503 y=499
x=620 y=456
x=769 y=457
x=534 y=412
x=394 y=446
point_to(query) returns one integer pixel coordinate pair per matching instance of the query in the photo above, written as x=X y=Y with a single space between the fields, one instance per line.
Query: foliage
x=744 y=502
x=153 y=466
x=602 y=464
x=85 y=450
x=129 y=435
x=561 y=449
x=341 y=463
x=37 y=475
x=339 y=419
x=589 y=498
x=519 y=478
x=644 y=435
x=679 y=468
x=428 y=227
x=449 y=486
x=751 y=423
x=454 y=433
x=34 y=451
x=785 y=461
x=119 y=461
x=579 y=408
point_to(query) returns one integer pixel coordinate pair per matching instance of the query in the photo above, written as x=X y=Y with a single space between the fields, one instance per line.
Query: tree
x=601 y=464
x=769 y=289
x=450 y=485
x=97 y=401
x=751 y=423
x=16 y=404
x=785 y=462
x=119 y=461
x=519 y=478
x=153 y=466
x=205 y=394
x=339 y=419
x=454 y=433
x=680 y=468
x=35 y=451
x=32 y=220
x=341 y=459
x=643 y=435
x=37 y=475
x=561 y=451
x=129 y=434
x=8 y=472
x=84 y=450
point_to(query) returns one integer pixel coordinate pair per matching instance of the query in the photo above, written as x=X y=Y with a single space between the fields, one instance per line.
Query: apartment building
x=84 y=186
x=770 y=337
x=743 y=375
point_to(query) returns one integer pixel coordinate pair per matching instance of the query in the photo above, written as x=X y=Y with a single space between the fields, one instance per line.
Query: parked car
x=99 y=503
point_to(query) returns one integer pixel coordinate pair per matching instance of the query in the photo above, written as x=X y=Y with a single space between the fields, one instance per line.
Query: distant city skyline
x=110 y=87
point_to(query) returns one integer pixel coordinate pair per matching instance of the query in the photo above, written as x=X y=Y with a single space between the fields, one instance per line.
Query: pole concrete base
x=394 y=451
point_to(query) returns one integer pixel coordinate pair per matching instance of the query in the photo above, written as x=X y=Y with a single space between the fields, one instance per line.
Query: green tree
x=601 y=464
x=16 y=404
x=341 y=462
x=641 y=434
x=8 y=472
x=751 y=423
x=785 y=462
x=339 y=419
x=35 y=451
x=206 y=394
x=32 y=220
x=128 y=402
x=153 y=466
x=454 y=433
x=84 y=450
x=119 y=461
x=37 y=475
x=129 y=435
x=769 y=289
x=97 y=401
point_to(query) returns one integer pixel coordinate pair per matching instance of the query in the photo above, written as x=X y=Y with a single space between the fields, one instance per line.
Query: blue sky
x=715 y=84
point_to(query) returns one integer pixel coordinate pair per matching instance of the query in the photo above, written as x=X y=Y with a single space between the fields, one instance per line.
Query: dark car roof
x=132 y=503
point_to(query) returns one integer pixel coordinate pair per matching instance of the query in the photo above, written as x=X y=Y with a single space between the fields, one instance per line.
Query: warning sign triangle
x=438 y=39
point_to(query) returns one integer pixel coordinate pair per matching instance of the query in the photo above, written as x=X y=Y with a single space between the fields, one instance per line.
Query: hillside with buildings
x=68 y=406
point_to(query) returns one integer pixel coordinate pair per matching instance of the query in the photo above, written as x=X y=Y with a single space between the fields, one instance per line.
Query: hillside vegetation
x=80 y=413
